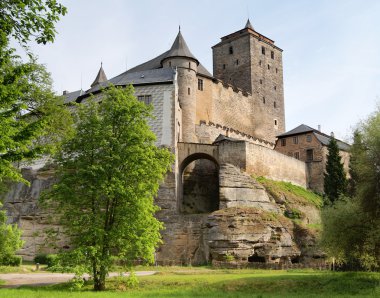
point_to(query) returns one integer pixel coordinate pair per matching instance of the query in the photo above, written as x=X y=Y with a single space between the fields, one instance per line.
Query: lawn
x=206 y=282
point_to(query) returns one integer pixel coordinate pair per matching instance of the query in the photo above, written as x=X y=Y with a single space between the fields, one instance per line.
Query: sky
x=331 y=48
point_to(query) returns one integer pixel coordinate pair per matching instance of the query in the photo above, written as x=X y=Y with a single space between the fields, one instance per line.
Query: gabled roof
x=101 y=77
x=72 y=96
x=161 y=75
x=321 y=137
x=298 y=130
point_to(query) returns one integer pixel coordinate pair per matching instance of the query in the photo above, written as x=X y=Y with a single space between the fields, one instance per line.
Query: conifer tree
x=335 y=181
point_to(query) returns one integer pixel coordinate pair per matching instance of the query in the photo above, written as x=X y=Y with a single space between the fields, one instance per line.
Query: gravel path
x=14 y=280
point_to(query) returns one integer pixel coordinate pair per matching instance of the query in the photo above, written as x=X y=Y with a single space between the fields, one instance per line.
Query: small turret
x=101 y=77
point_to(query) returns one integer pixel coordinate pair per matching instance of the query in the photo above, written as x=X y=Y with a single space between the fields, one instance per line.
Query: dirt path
x=14 y=280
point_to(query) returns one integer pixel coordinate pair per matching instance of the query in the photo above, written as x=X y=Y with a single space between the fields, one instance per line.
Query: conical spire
x=180 y=48
x=249 y=25
x=101 y=77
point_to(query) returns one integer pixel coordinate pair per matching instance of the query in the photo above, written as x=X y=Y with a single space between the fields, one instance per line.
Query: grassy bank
x=225 y=283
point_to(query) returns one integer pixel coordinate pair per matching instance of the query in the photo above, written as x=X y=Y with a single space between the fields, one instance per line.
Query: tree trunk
x=100 y=282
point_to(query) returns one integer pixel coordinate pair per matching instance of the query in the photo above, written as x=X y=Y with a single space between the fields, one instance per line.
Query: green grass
x=25 y=268
x=292 y=193
x=225 y=283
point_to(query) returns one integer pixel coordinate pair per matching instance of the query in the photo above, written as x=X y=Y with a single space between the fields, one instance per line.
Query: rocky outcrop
x=238 y=189
x=21 y=203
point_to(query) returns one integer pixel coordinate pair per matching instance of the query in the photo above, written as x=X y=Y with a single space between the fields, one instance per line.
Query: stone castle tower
x=251 y=61
x=180 y=58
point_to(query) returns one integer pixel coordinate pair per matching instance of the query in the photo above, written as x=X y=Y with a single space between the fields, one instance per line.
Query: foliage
x=46 y=259
x=23 y=19
x=10 y=241
x=32 y=119
x=292 y=193
x=108 y=174
x=351 y=228
x=355 y=151
x=335 y=181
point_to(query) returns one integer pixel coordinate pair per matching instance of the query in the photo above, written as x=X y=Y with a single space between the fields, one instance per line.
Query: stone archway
x=198 y=184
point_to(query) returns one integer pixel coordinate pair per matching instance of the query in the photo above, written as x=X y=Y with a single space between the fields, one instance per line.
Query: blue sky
x=331 y=48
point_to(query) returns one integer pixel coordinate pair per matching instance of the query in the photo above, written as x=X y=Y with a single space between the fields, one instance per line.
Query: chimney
x=319 y=127
x=332 y=134
x=65 y=92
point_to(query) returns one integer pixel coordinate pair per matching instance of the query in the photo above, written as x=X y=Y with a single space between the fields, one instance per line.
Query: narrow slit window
x=200 y=84
x=263 y=99
x=188 y=91
x=263 y=50
x=272 y=54
x=231 y=50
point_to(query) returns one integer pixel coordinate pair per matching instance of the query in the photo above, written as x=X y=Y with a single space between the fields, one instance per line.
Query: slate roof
x=249 y=25
x=101 y=77
x=72 y=96
x=323 y=138
x=178 y=49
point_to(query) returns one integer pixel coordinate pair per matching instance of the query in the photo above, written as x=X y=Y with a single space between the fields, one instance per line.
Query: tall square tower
x=252 y=62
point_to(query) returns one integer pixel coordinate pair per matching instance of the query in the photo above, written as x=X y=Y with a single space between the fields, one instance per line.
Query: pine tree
x=335 y=181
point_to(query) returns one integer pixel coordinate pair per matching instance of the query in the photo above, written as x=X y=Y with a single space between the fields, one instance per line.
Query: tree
x=351 y=227
x=9 y=239
x=108 y=174
x=335 y=182
x=23 y=19
x=32 y=119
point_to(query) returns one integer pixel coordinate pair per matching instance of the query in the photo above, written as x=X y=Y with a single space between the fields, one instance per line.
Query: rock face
x=250 y=234
x=249 y=226
x=238 y=189
x=21 y=203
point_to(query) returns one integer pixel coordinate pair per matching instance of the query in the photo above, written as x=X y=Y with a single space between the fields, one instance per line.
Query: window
x=147 y=99
x=308 y=138
x=237 y=61
x=263 y=99
x=274 y=104
x=170 y=64
x=260 y=62
x=189 y=65
x=272 y=54
x=283 y=142
x=263 y=50
x=295 y=140
x=309 y=155
x=224 y=66
x=261 y=81
x=275 y=122
x=200 y=84
x=231 y=50
x=188 y=91
x=276 y=70
x=268 y=66
x=275 y=87
x=297 y=155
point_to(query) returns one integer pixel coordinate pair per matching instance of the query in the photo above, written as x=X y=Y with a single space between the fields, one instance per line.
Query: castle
x=222 y=129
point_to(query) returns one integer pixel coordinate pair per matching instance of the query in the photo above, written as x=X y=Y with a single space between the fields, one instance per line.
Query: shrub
x=47 y=259
x=11 y=261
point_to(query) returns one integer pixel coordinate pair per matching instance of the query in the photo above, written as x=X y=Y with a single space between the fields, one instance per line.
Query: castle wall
x=163 y=100
x=261 y=161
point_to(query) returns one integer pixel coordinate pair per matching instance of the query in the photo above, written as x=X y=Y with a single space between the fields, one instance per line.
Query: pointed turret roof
x=101 y=77
x=180 y=48
x=249 y=25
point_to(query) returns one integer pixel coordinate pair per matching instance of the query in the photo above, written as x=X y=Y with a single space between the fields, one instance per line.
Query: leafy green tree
x=108 y=175
x=23 y=19
x=9 y=239
x=335 y=181
x=32 y=119
x=355 y=151
x=351 y=227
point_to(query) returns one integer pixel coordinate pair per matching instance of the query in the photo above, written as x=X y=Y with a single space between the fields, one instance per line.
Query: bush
x=46 y=259
x=11 y=261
